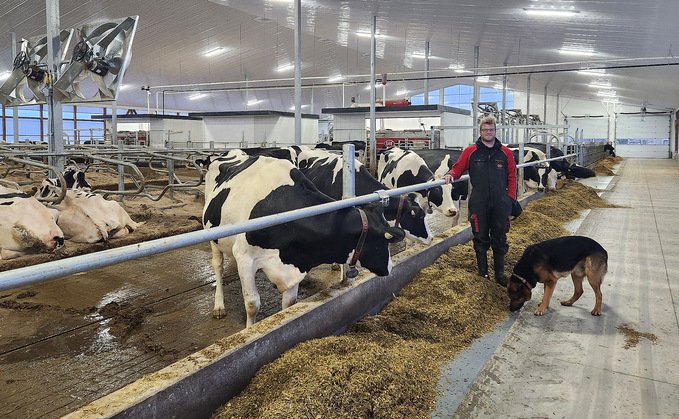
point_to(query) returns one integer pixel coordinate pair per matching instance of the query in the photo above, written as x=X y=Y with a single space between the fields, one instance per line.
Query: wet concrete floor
x=69 y=341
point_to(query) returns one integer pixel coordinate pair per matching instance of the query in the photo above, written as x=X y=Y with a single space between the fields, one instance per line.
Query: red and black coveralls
x=492 y=173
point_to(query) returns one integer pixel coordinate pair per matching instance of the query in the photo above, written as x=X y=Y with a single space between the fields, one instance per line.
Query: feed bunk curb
x=195 y=386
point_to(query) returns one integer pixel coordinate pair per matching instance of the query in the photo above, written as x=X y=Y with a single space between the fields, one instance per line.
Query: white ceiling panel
x=257 y=37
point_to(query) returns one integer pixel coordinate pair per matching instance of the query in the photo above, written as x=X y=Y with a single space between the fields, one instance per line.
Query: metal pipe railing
x=43 y=272
x=39 y=273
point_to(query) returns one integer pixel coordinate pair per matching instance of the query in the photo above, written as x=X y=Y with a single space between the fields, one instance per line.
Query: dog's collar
x=526 y=283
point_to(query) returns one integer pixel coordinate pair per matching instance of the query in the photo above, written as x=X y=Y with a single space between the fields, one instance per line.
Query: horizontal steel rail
x=56 y=269
x=50 y=270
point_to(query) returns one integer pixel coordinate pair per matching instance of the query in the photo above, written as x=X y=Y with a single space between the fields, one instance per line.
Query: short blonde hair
x=488 y=120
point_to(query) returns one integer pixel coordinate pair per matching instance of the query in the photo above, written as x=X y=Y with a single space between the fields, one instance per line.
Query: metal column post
x=544 y=106
x=426 y=73
x=475 y=95
x=504 y=106
x=372 y=144
x=528 y=96
x=298 y=72
x=526 y=132
x=56 y=124
x=15 y=108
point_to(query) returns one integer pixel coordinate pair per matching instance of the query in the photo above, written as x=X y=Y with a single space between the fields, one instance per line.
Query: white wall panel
x=177 y=131
x=594 y=129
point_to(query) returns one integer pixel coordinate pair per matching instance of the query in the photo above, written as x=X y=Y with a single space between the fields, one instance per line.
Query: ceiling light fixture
x=551 y=12
x=285 y=67
x=601 y=84
x=576 y=51
x=422 y=56
x=367 y=34
x=607 y=93
x=458 y=68
x=402 y=92
x=253 y=102
x=335 y=79
x=592 y=71
x=214 y=52
x=197 y=96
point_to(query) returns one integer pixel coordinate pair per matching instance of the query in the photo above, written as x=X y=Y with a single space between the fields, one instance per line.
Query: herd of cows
x=243 y=184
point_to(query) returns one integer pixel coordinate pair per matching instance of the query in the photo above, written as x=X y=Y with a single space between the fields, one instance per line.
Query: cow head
x=26 y=226
x=411 y=219
x=49 y=188
x=374 y=255
x=75 y=179
x=548 y=177
x=450 y=205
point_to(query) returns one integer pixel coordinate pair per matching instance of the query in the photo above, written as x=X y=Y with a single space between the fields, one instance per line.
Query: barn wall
x=282 y=131
x=181 y=131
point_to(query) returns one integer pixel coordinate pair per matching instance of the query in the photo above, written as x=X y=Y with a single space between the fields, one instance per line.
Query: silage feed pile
x=387 y=365
x=605 y=166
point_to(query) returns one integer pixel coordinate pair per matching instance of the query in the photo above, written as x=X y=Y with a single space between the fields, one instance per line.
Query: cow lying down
x=26 y=226
x=85 y=217
x=239 y=188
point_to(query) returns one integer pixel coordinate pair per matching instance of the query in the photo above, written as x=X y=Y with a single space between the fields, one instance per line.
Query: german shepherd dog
x=550 y=260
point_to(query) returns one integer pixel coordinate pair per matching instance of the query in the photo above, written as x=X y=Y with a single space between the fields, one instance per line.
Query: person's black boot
x=482 y=264
x=499 y=265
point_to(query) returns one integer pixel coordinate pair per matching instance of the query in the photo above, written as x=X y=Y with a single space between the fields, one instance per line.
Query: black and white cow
x=608 y=147
x=75 y=180
x=359 y=145
x=559 y=165
x=326 y=169
x=289 y=153
x=26 y=225
x=575 y=172
x=540 y=176
x=397 y=168
x=440 y=161
x=86 y=217
x=240 y=187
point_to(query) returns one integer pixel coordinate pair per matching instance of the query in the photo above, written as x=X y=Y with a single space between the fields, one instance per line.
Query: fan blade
x=10 y=86
x=62 y=87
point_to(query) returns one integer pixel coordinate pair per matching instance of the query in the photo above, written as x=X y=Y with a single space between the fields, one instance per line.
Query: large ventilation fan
x=26 y=84
x=100 y=56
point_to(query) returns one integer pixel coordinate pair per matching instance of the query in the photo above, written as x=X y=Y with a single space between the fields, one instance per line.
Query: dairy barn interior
x=107 y=309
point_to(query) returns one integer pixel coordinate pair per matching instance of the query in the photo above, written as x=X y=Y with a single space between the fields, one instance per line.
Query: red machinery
x=405 y=139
